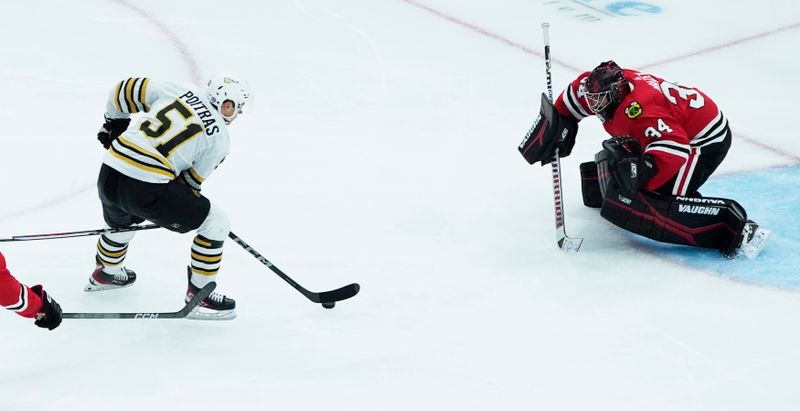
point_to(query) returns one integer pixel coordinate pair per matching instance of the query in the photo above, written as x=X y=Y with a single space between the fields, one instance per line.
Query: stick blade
x=570 y=245
x=199 y=297
x=338 y=294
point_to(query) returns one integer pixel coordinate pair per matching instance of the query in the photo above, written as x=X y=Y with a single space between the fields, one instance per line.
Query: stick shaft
x=72 y=234
x=565 y=243
x=338 y=294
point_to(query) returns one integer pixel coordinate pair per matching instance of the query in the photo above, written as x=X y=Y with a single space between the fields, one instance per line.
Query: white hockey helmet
x=227 y=87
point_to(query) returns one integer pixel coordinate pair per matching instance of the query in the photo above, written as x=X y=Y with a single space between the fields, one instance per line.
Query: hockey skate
x=753 y=240
x=117 y=278
x=214 y=307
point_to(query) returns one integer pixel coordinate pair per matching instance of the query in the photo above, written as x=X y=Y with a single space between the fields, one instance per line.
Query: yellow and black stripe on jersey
x=140 y=158
x=192 y=179
x=131 y=95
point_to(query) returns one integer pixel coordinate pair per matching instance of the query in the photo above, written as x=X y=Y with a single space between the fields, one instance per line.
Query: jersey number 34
x=695 y=99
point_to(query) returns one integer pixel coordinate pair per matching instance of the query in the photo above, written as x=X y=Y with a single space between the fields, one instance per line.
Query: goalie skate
x=754 y=238
x=101 y=280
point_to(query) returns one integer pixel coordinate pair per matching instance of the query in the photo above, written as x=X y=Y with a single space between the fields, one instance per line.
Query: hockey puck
x=329 y=305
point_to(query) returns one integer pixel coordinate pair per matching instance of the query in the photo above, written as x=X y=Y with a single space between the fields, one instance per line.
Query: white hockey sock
x=207 y=247
x=112 y=249
x=206 y=259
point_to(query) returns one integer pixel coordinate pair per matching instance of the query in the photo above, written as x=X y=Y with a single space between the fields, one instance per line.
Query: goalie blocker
x=549 y=132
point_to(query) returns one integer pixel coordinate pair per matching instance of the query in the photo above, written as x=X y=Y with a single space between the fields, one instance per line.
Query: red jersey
x=672 y=122
x=15 y=296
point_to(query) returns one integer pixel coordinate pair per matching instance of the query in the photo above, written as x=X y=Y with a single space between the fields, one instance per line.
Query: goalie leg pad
x=695 y=221
x=590 y=185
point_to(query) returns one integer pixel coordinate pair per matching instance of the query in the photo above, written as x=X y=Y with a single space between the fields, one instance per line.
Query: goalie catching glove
x=551 y=131
x=629 y=168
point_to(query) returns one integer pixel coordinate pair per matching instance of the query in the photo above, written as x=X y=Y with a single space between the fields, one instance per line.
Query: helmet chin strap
x=228 y=120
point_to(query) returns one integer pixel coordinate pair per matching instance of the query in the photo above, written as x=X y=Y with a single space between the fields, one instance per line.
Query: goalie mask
x=604 y=88
x=225 y=87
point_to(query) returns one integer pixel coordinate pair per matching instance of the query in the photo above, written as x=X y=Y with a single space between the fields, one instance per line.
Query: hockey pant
x=174 y=206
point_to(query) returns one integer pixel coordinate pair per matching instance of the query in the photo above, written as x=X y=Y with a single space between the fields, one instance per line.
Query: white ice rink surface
x=381 y=149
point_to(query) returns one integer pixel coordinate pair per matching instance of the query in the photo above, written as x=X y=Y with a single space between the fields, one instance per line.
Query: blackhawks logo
x=633 y=110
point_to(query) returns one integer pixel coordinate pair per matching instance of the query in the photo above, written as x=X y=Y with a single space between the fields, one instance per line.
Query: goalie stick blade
x=569 y=244
x=182 y=313
x=338 y=294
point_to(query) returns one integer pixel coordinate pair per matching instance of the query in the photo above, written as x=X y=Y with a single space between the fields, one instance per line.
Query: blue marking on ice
x=772 y=199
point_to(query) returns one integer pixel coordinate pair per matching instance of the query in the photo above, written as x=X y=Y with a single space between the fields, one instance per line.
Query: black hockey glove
x=551 y=131
x=628 y=166
x=112 y=128
x=632 y=173
x=49 y=316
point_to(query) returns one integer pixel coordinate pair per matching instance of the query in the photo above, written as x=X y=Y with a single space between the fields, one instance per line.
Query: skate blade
x=201 y=313
x=757 y=244
x=102 y=287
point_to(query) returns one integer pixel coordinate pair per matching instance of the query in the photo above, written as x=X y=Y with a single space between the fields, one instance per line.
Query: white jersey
x=179 y=133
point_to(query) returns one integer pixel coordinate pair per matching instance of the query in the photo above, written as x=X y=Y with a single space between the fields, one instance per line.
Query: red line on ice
x=173 y=38
x=724 y=45
x=486 y=33
x=477 y=29
x=188 y=58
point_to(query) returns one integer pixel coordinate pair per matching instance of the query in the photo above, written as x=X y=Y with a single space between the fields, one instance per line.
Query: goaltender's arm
x=571 y=101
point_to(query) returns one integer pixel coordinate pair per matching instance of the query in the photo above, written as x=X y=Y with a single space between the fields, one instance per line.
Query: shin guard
x=590 y=185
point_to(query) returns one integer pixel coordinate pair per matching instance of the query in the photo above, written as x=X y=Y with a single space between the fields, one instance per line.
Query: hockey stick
x=182 y=313
x=565 y=243
x=327 y=298
x=70 y=234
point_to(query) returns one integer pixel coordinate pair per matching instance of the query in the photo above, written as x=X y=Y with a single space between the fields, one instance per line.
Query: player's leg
x=707 y=222
x=180 y=209
x=694 y=221
x=206 y=257
x=110 y=271
x=701 y=164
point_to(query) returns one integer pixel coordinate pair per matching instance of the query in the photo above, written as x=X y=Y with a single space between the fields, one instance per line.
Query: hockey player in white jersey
x=154 y=169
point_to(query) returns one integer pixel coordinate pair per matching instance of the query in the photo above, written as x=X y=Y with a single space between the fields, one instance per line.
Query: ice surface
x=381 y=149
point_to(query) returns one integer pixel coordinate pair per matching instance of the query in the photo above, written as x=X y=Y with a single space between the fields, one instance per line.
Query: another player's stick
x=327 y=298
x=71 y=234
x=182 y=313
x=565 y=243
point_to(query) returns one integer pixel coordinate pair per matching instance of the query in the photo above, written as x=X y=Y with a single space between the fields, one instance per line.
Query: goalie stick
x=182 y=313
x=565 y=243
x=326 y=298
